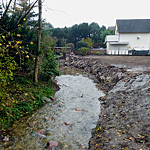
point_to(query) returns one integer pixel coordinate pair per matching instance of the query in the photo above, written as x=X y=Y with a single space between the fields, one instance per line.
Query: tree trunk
x=38 y=42
x=36 y=69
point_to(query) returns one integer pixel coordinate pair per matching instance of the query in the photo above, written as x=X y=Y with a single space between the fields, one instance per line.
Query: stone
x=51 y=144
x=47 y=118
x=6 y=139
x=32 y=124
x=42 y=131
x=46 y=99
x=67 y=123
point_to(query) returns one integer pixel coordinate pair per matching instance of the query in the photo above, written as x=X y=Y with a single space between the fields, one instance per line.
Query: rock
x=39 y=135
x=77 y=109
x=67 y=124
x=6 y=139
x=47 y=118
x=42 y=131
x=52 y=98
x=32 y=124
x=51 y=144
x=46 y=99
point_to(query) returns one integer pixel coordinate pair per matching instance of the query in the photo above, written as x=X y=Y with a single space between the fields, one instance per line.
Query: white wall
x=112 y=38
x=136 y=40
x=143 y=41
x=117 y=49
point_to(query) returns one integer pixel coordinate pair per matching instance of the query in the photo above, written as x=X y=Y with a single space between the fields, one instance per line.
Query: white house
x=131 y=35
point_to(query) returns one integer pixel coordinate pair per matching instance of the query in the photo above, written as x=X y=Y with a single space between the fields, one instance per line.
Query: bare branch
x=25 y=14
x=3 y=4
x=3 y=17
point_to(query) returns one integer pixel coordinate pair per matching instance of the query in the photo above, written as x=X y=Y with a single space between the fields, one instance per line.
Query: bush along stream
x=124 y=121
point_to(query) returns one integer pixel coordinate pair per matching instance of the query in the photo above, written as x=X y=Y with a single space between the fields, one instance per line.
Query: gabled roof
x=133 y=25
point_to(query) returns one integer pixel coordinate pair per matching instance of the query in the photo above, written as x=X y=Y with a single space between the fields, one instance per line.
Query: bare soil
x=124 y=121
x=126 y=61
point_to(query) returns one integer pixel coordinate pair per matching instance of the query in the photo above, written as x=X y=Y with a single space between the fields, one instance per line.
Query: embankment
x=124 y=122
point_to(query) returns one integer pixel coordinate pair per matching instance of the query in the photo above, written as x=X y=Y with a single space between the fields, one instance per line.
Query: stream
x=68 y=120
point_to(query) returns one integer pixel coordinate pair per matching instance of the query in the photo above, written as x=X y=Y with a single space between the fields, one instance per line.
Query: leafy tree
x=63 y=42
x=84 y=30
x=11 y=44
x=95 y=32
x=75 y=33
x=49 y=67
x=104 y=33
x=81 y=44
x=89 y=41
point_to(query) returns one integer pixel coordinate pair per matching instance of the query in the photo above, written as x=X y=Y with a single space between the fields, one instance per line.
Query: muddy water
x=68 y=120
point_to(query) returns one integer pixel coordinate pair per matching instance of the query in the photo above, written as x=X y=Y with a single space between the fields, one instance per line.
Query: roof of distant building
x=111 y=28
x=133 y=25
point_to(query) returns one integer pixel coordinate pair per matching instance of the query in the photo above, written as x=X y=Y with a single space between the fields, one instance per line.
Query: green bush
x=83 y=51
x=48 y=68
x=81 y=44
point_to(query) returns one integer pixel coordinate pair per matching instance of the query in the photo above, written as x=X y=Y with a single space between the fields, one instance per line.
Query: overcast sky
x=61 y=13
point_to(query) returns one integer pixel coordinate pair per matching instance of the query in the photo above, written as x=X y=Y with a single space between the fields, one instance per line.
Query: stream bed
x=68 y=120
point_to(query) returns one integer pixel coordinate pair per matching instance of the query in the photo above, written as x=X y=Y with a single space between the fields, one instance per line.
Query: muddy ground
x=125 y=116
x=124 y=122
x=126 y=61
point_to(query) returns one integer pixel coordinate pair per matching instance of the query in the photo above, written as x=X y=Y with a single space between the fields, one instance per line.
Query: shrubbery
x=83 y=51
x=49 y=67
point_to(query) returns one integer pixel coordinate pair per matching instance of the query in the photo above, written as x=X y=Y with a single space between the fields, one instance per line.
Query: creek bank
x=105 y=75
x=124 y=122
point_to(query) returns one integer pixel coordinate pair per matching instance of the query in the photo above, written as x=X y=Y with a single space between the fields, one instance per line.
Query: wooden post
x=38 y=42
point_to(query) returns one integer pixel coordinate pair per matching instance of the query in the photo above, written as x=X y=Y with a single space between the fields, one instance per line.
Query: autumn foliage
x=19 y=95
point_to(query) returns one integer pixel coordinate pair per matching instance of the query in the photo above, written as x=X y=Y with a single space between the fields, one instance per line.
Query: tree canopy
x=77 y=32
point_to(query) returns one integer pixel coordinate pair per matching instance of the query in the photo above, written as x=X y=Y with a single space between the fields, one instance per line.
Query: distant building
x=132 y=36
x=112 y=28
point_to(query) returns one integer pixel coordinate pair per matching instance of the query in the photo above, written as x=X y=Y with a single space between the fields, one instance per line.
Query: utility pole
x=38 y=42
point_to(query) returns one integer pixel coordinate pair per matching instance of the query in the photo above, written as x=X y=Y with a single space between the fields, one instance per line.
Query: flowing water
x=68 y=120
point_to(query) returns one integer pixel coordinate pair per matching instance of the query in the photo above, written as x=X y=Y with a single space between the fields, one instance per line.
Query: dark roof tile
x=133 y=25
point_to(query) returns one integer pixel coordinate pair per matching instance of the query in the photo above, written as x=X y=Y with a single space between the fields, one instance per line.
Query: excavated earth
x=124 y=121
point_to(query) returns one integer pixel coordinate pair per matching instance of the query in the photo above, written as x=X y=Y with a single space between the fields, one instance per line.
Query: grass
x=22 y=97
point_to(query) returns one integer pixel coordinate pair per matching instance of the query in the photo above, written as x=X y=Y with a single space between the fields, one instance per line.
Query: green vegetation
x=83 y=51
x=22 y=97
x=89 y=33
x=20 y=32
x=81 y=44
